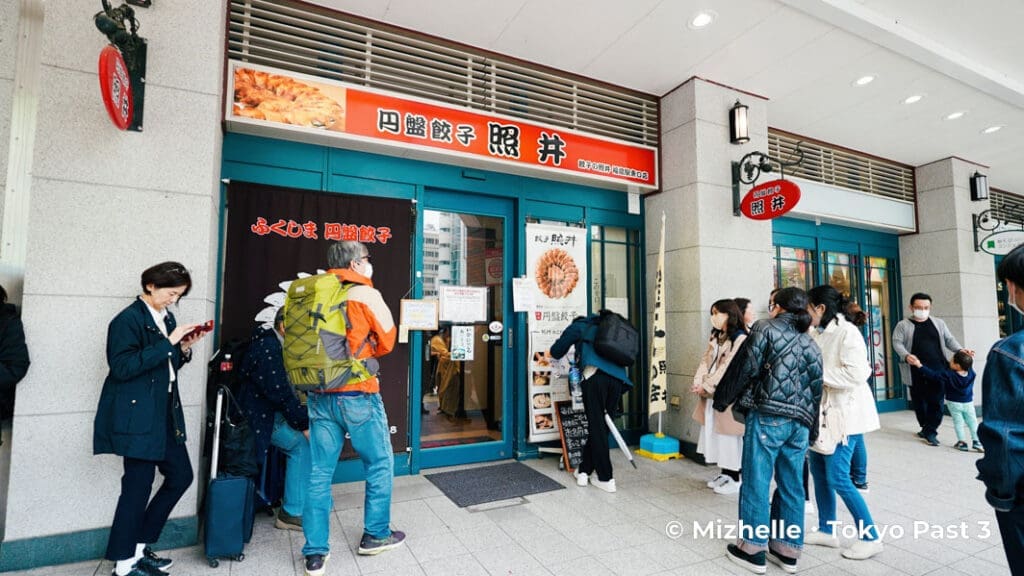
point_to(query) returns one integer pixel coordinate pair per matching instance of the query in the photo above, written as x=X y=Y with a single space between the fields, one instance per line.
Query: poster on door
x=556 y=265
x=877 y=342
x=462 y=343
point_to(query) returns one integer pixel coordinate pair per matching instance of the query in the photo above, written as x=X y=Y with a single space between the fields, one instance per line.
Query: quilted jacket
x=792 y=387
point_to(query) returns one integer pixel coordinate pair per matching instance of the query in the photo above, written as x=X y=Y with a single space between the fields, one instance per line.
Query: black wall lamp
x=738 y=124
x=979 y=187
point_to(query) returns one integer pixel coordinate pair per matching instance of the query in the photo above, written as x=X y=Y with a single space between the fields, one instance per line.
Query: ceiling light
x=913 y=99
x=956 y=115
x=702 y=19
x=991 y=129
x=864 y=80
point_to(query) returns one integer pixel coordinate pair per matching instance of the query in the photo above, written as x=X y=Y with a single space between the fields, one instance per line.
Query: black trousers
x=137 y=518
x=926 y=398
x=1011 y=528
x=601 y=394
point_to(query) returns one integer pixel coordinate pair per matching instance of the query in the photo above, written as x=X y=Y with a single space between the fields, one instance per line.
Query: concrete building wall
x=709 y=253
x=940 y=259
x=105 y=205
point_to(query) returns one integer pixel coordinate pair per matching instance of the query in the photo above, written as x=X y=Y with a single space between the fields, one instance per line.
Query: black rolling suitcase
x=229 y=506
x=270 y=483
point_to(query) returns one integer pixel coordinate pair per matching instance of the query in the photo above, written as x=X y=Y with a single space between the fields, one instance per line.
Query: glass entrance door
x=464 y=403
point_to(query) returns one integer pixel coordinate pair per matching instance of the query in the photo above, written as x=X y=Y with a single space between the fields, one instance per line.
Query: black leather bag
x=237 y=442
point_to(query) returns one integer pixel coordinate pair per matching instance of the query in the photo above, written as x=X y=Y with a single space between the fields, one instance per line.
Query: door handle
x=510 y=338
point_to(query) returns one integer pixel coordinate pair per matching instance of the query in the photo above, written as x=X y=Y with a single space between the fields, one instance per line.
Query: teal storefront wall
x=305 y=166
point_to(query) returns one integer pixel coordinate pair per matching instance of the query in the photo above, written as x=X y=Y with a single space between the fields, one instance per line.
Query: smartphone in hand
x=204 y=327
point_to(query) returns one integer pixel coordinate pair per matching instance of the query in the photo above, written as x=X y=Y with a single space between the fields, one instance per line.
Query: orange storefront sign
x=265 y=96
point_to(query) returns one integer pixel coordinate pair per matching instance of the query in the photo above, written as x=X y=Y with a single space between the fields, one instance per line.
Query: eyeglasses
x=366 y=257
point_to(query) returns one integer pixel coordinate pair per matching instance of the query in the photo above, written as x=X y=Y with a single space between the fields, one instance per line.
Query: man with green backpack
x=336 y=327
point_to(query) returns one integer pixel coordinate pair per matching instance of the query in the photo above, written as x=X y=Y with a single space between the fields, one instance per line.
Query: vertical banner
x=658 y=368
x=275 y=235
x=556 y=265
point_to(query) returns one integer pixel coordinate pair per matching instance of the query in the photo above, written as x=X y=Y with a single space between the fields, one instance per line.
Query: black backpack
x=616 y=340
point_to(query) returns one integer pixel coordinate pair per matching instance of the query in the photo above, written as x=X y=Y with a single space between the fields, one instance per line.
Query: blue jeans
x=772 y=444
x=859 y=464
x=831 y=477
x=296 y=476
x=362 y=417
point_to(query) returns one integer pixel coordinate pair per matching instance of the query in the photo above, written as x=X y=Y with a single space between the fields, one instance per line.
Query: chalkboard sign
x=572 y=427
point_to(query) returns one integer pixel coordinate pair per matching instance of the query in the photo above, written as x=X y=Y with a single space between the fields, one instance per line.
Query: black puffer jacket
x=13 y=357
x=794 y=388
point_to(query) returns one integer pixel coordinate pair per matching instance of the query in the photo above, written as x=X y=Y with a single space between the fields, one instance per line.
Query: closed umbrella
x=618 y=439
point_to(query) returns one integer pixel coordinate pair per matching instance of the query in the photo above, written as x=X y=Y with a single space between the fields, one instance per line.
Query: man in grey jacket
x=929 y=340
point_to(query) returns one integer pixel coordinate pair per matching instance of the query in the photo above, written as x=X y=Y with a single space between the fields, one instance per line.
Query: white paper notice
x=462 y=343
x=522 y=295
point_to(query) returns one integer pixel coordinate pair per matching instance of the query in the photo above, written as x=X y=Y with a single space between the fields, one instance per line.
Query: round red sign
x=116 y=87
x=770 y=200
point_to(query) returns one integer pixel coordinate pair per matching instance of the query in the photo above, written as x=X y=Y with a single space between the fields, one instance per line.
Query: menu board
x=572 y=427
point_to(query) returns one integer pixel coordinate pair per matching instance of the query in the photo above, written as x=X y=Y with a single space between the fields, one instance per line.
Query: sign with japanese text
x=263 y=96
x=657 y=399
x=770 y=200
x=462 y=343
x=419 y=314
x=573 y=430
x=556 y=264
x=274 y=235
x=465 y=304
x=116 y=87
x=1001 y=243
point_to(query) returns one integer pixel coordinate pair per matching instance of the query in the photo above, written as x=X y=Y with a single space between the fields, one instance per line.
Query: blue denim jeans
x=831 y=477
x=296 y=476
x=772 y=445
x=859 y=464
x=362 y=417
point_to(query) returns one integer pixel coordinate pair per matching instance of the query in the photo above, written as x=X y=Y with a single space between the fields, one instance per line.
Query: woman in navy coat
x=140 y=416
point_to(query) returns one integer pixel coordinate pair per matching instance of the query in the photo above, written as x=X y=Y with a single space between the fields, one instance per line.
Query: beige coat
x=844 y=356
x=707 y=378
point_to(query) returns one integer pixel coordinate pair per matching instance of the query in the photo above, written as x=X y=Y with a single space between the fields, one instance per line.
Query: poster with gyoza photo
x=556 y=266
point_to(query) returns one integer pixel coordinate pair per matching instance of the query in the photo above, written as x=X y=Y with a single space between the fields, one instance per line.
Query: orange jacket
x=370 y=318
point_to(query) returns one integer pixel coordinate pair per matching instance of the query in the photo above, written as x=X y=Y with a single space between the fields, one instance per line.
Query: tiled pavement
x=588 y=532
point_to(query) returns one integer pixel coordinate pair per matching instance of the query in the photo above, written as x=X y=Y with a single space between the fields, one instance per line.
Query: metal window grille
x=844 y=168
x=320 y=42
x=1006 y=206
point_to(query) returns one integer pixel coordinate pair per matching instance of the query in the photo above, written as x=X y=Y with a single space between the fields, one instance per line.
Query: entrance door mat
x=492 y=483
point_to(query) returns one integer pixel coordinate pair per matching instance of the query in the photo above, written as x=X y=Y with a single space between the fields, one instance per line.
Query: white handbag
x=831 y=425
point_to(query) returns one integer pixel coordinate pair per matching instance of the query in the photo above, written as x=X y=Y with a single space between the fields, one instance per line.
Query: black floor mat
x=492 y=483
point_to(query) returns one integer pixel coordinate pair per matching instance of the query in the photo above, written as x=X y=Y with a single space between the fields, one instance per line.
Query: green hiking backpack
x=317 y=355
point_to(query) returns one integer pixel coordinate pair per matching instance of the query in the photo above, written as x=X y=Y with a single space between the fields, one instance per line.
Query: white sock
x=123 y=567
x=138 y=551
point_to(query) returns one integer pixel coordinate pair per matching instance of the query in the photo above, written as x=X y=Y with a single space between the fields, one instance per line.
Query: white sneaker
x=730 y=486
x=717 y=481
x=581 y=477
x=818 y=538
x=863 y=549
x=608 y=486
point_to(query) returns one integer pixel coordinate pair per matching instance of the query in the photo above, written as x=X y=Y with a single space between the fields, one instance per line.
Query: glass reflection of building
x=444 y=245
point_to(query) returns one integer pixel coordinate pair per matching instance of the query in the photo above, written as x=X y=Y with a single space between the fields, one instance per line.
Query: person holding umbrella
x=603 y=384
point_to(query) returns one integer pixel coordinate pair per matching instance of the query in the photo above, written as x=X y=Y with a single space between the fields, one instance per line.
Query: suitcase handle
x=216 y=433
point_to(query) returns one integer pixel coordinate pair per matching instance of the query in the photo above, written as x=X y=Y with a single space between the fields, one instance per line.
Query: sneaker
x=819 y=538
x=138 y=570
x=753 y=562
x=581 y=478
x=863 y=549
x=977 y=446
x=153 y=562
x=717 y=481
x=961 y=446
x=370 y=546
x=921 y=434
x=730 y=486
x=862 y=488
x=932 y=440
x=608 y=486
x=286 y=521
x=785 y=562
x=315 y=564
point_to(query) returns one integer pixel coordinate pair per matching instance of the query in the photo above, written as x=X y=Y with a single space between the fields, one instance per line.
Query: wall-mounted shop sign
x=1000 y=243
x=116 y=87
x=331 y=112
x=770 y=200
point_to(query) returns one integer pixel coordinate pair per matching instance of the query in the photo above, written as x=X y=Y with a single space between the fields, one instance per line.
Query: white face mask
x=921 y=314
x=719 y=320
x=368 y=270
x=1013 y=301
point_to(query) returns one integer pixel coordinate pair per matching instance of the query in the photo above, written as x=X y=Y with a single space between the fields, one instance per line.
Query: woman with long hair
x=846 y=370
x=721 y=437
